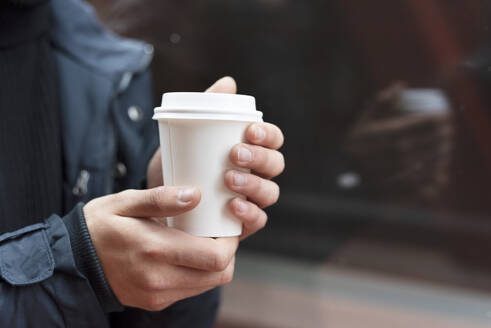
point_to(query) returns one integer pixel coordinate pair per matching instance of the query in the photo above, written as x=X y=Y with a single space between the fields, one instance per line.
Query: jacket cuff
x=87 y=261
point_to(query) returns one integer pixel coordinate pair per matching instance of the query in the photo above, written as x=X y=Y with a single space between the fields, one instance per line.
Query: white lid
x=214 y=106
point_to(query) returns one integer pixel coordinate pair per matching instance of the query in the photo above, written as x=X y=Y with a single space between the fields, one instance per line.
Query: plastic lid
x=214 y=106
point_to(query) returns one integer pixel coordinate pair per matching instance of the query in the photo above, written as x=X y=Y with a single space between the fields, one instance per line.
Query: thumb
x=224 y=85
x=156 y=202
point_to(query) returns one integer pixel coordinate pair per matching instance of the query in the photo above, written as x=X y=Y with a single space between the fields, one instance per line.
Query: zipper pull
x=80 y=188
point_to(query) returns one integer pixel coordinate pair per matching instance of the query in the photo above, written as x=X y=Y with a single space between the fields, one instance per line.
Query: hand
x=261 y=156
x=265 y=162
x=147 y=264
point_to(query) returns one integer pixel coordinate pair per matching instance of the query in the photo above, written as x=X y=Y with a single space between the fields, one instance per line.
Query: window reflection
x=386 y=110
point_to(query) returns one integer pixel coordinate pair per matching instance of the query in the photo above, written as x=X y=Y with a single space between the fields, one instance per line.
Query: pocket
x=25 y=256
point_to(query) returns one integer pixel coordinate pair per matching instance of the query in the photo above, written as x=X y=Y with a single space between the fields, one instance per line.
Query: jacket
x=108 y=139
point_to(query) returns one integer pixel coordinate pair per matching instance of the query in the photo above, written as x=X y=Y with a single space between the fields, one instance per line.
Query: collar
x=77 y=32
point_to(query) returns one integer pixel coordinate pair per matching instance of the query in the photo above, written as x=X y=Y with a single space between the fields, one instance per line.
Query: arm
x=265 y=162
x=146 y=264
x=39 y=281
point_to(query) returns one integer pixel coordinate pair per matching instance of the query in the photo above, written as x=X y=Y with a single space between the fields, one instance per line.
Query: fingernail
x=185 y=195
x=241 y=206
x=239 y=179
x=259 y=133
x=244 y=155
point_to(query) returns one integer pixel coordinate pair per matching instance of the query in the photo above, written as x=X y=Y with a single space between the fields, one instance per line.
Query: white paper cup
x=197 y=132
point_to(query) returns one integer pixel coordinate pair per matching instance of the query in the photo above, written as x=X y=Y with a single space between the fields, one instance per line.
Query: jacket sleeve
x=87 y=261
x=40 y=285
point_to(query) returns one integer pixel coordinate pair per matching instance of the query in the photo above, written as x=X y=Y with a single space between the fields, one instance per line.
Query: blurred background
x=385 y=214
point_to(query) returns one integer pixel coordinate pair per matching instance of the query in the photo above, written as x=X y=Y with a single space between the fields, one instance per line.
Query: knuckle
x=226 y=277
x=256 y=185
x=157 y=199
x=276 y=163
x=270 y=192
x=173 y=256
x=260 y=222
x=152 y=252
x=152 y=283
x=261 y=157
x=263 y=219
x=121 y=196
x=220 y=260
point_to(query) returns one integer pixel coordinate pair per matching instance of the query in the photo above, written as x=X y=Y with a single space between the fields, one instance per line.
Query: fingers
x=164 y=287
x=266 y=162
x=253 y=218
x=166 y=277
x=179 y=248
x=224 y=85
x=156 y=202
x=189 y=278
x=265 y=134
x=260 y=191
x=204 y=253
x=160 y=285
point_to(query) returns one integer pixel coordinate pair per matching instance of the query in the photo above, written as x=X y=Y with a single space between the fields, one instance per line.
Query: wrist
x=86 y=259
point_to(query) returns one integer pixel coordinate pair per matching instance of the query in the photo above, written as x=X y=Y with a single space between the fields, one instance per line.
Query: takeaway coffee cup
x=197 y=132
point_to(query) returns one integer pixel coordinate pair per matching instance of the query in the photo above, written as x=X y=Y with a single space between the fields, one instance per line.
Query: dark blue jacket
x=48 y=275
